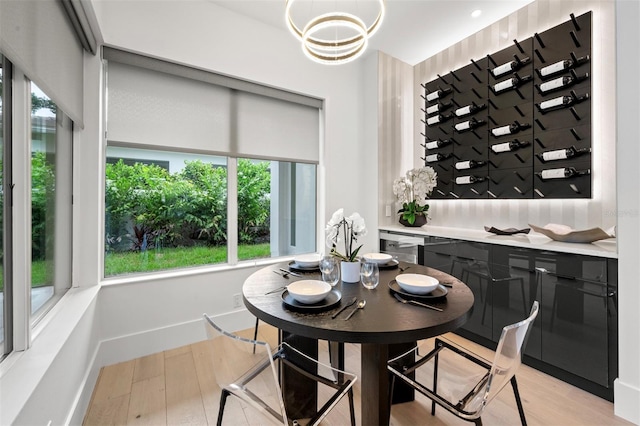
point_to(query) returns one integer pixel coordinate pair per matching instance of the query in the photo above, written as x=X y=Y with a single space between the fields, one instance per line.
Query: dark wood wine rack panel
x=545 y=114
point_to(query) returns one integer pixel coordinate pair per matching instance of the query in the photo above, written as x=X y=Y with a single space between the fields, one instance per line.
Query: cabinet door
x=438 y=253
x=470 y=264
x=514 y=291
x=574 y=314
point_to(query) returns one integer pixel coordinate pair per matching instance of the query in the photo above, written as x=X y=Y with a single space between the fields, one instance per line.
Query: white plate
x=308 y=291
x=307 y=260
x=379 y=258
x=417 y=283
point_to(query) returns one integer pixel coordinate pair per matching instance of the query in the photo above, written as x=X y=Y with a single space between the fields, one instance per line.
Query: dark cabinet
x=577 y=305
x=575 y=334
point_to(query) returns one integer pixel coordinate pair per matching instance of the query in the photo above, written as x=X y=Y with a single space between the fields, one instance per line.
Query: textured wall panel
x=536 y=17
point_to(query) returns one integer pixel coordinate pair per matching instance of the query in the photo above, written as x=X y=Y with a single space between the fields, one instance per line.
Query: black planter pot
x=420 y=220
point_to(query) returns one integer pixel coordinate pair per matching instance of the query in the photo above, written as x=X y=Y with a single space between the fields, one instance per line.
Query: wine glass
x=369 y=274
x=330 y=270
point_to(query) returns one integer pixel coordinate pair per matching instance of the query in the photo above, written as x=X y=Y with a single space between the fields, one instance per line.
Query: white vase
x=350 y=272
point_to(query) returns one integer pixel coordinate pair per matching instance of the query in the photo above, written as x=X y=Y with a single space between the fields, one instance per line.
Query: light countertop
x=603 y=248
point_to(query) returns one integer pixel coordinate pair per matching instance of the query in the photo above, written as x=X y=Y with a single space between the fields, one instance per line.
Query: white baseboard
x=136 y=345
x=626 y=399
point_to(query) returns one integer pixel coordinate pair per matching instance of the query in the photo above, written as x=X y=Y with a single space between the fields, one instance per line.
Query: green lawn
x=172 y=258
x=152 y=260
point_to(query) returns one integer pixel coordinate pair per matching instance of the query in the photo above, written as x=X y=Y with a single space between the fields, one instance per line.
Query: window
x=253 y=182
x=50 y=202
x=5 y=306
x=163 y=218
x=276 y=208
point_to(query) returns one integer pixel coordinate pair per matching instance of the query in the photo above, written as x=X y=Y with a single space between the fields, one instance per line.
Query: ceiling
x=412 y=30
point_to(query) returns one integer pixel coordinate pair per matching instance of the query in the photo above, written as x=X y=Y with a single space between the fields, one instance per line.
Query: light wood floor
x=178 y=387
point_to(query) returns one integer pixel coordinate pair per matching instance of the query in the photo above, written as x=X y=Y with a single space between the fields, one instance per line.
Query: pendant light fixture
x=337 y=36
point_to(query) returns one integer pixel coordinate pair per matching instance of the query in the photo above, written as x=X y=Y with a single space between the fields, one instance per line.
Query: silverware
x=284 y=274
x=360 y=305
x=275 y=290
x=447 y=284
x=405 y=268
x=414 y=302
x=351 y=302
x=286 y=271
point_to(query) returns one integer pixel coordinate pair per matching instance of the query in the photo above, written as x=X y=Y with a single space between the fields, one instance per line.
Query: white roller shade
x=165 y=110
x=272 y=128
x=37 y=37
x=153 y=108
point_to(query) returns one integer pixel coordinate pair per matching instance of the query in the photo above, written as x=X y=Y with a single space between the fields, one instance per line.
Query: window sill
x=185 y=272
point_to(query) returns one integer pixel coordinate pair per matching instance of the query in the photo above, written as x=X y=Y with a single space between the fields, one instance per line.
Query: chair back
x=508 y=355
x=249 y=376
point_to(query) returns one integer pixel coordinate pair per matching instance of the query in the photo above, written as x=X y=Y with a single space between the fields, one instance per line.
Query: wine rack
x=541 y=88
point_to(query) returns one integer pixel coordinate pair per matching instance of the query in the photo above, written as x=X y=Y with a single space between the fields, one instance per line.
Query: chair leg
x=223 y=400
x=435 y=383
x=255 y=334
x=352 y=410
x=524 y=298
x=514 y=385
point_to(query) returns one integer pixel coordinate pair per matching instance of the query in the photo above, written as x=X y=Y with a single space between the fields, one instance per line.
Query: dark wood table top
x=384 y=320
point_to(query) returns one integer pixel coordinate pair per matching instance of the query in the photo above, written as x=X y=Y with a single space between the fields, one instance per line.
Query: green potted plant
x=412 y=191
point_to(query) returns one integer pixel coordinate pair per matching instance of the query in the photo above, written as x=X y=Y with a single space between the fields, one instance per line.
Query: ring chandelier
x=342 y=49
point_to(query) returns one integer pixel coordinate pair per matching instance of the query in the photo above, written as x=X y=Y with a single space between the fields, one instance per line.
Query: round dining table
x=384 y=328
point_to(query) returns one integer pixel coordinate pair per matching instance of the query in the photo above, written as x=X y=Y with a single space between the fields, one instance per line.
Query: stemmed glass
x=369 y=274
x=330 y=269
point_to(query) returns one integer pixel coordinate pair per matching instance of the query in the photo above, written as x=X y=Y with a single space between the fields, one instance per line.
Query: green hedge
x=148 y=207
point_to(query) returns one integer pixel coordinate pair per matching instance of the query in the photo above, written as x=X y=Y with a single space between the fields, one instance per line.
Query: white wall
x=627 y=387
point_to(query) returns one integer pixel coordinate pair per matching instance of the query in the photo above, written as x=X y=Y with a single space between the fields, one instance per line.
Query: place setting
x=315 y=295
x=417 y=289
x=306 y=262
x=384 y=261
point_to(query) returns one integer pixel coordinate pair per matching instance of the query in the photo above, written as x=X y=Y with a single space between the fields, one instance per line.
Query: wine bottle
x=437 y=144
x=466 y=180
x=437 y=94
x=437 y=119
x=561 y=102
x=469 y=109
x=511 y=129
x=508 y=146
x=511 y=66
x=561 y=173
x=563 y=154
x=468 y=125
x=434 y=158
x=561 y=82
x=468 y=164
x=563 y=65
x=439 y=107
x=511 y=83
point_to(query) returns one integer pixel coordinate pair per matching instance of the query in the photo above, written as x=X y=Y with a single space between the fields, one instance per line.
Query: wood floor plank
x=148 y=367
x=115 y=381
x=184 y=400
x=108 y=411
x=192 y=395
x=147 y=405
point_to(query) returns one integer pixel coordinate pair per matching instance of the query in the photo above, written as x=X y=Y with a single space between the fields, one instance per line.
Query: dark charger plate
x=295 y=267
x=389 y=265
x=508 y=231
x=332 y=299
x=440 y=292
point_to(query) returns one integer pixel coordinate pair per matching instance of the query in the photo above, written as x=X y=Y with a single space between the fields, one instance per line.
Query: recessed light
x=476 y=13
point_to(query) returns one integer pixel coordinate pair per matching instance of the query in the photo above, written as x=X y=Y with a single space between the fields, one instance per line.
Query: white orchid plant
x=413 y=190
x=352 y=228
